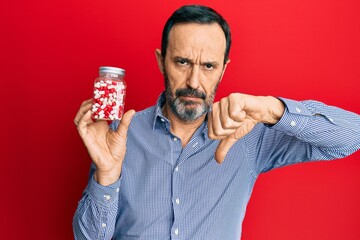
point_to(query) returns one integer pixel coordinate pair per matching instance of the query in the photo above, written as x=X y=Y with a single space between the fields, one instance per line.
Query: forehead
x=187 y=39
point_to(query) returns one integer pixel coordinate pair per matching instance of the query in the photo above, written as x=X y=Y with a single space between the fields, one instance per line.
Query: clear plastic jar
x=109 y=94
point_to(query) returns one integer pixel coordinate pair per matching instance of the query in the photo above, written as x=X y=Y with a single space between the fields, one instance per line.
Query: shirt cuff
x=294 y=119
x=103 y=195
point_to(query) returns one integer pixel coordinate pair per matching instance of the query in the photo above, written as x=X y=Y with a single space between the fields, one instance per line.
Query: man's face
x=193 y=68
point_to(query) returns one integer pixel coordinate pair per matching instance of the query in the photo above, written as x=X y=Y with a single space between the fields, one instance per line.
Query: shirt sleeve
x=96 y=213
x=308 y=131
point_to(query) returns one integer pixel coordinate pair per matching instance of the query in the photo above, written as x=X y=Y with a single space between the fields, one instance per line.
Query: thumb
x=224 y=147
x=124 y=123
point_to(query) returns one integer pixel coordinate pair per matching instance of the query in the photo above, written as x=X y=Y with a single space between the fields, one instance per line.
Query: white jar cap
x=105 y=69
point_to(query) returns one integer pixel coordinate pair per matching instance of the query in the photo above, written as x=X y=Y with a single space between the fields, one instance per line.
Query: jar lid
x=115 y=70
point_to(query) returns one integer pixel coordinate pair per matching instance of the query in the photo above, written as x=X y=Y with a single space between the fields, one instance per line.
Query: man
x=185 y=168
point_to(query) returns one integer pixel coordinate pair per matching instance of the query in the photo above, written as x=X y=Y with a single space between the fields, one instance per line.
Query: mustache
x=189 y=92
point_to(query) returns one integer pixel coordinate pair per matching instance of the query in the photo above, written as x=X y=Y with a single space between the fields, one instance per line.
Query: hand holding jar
x=106 y=147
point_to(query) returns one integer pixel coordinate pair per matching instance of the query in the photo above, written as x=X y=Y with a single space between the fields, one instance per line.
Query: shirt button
x=103 y=225
x=177 y=231
x=175 y=139
x=161 y=119
x=107 y=197
x=177 y=201
x=176 y=169
x=298 y=110
x=117 y=190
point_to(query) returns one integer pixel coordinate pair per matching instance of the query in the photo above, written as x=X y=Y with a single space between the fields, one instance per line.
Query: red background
x=50 y=53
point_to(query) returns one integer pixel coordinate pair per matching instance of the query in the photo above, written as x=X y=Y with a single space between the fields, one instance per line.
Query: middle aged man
x=154 y=175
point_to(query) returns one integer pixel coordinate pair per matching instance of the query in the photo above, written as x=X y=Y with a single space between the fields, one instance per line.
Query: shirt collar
x=157 y=111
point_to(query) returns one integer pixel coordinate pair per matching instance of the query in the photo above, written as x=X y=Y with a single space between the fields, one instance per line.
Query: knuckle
x=211 y=135
x=217 y=132
x=233 y=114
x=233 y=96
x=223 y=100
x=227 y=123
x=214 y=107
x=86 y=102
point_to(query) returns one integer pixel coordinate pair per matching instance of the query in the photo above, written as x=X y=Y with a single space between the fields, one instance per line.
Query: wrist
x=275 y=110
x=106 y=178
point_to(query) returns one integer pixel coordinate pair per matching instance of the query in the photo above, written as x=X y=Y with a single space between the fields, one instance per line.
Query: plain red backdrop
x=50 y=53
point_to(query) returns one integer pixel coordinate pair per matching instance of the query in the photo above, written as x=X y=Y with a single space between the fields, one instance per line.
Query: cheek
x=176 y=78
x=211 y=84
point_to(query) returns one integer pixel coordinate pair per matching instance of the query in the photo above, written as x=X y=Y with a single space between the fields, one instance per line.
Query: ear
x=223 y=71
x=159 y=60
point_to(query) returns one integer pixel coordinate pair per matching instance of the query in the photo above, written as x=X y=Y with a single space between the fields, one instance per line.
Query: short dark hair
x=195 y=14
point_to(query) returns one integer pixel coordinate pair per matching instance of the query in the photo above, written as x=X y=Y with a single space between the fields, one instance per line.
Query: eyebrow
x=178 y=58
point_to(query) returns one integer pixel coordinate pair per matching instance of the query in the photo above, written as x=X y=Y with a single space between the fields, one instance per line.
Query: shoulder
x=144 y=116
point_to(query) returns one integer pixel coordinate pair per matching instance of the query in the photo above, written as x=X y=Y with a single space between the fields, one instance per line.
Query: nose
x=193 y=80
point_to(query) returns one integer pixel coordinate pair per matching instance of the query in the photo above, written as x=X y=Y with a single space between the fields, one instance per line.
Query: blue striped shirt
x=167 y=191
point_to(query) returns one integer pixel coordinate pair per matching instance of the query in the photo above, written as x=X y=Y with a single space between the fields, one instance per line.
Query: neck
x=182 y=129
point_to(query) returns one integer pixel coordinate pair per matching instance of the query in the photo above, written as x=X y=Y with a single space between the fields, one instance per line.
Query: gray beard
x=183 y=109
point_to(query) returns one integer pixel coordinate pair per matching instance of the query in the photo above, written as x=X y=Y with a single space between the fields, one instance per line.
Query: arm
x=97 y=210
x=236 y=115
x=96 y=213
x=308 y=130
x=318 y=129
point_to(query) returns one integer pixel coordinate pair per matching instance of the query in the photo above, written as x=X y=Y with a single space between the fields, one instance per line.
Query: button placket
x=177 y=175
x=176 y=187
x=107 y=197
x=176 y=191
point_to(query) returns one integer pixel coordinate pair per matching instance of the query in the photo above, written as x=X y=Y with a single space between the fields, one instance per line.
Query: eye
x=182 y=62
x=209 y=66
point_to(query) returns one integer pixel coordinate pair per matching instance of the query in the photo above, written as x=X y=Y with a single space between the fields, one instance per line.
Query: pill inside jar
x=109 y=94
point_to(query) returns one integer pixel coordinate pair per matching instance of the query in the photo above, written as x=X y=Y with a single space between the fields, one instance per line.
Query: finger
x=211 y=133
x=216 y=130
x=85 y=106
x=224 y=147
x=86 y=102
x=236 y=108
x=246 y=126
x=83 y=123
x=124 y=123
x=226 y=121
x=209 y=124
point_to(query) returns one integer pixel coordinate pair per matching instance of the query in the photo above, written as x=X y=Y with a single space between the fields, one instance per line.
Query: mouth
x=191 y=99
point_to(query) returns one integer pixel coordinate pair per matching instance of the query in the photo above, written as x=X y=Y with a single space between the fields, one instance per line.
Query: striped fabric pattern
x=169 y=192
